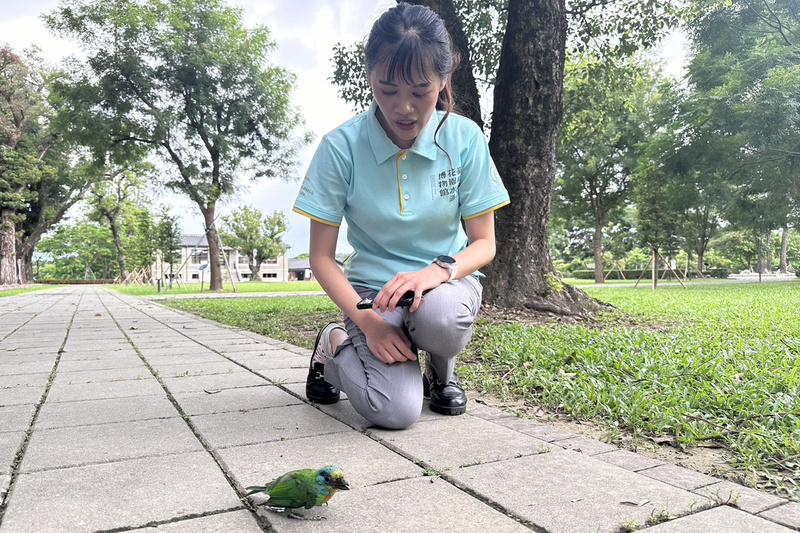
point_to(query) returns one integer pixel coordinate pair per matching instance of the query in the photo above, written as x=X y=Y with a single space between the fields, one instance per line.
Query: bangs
x=406 y=62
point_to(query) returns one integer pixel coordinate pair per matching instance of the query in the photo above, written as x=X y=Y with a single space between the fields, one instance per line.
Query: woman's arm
x=386 y=342
x=479 y=253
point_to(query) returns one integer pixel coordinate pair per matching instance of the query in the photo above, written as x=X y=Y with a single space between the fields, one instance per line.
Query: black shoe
x=445 y=398
x=317 y=389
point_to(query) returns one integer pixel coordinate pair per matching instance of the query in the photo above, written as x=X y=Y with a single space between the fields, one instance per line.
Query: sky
x=305 y=32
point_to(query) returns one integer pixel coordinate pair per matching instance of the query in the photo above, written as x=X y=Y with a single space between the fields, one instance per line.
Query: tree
x=188 y=80
x=256 y=235
x=742 y=112
x=526 y=119
x=606 y=118
x=111 y=199
x=167 y=242
x=79 y=249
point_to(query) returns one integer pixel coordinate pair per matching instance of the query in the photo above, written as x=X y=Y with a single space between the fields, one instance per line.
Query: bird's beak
x=340 y=484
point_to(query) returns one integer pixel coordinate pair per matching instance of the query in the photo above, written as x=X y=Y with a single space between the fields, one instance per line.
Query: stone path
x=117 y=414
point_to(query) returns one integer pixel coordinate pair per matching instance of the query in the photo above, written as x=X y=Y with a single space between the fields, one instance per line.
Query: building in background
x=194 y=260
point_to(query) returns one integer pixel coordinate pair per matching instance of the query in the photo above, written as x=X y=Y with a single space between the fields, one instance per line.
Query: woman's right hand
x=387 y=342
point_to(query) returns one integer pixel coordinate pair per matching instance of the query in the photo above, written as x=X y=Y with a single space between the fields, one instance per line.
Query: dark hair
x=411 y=39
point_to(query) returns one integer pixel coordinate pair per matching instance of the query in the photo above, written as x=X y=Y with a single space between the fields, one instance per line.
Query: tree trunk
x=768 y=264
x=525 y=128
x=123 y=272
x=465 y=90
x=700 y=265
x=597 y=245
x=8 y=249
x=760 y=250
x=784 y=250
x=214 y=262
x=655 y=268
x=255 y=268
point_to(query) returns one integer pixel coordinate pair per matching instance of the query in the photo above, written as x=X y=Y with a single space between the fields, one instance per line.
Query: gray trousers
x=390 y=396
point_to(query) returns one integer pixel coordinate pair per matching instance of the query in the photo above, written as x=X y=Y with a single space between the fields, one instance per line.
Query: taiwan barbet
x=305 y=488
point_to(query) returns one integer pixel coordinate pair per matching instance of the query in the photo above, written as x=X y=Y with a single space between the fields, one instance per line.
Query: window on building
x=267 y=275
x=199 y=256
x=195 y=276
x=270 y=262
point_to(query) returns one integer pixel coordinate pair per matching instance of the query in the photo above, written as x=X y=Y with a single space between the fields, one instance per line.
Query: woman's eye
x=388 y=93
x=420 y=95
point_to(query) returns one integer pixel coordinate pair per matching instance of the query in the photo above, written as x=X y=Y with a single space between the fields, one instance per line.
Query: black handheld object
x=406 y=300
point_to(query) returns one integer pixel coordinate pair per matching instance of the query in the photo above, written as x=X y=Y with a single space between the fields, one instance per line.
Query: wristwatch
x=447 y=262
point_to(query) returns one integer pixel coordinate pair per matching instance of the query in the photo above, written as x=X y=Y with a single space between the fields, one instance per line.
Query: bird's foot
x=289 y=513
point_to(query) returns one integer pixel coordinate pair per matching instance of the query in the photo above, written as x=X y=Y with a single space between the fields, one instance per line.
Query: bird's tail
x=254 y=490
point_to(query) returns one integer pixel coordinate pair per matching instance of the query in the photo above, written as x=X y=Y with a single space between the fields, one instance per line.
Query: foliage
x=241 y=287
x=188 y=80
x=80 y=250
x=256 y=235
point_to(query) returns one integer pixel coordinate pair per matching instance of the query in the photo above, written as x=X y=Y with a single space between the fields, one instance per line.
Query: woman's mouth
x=405 y=125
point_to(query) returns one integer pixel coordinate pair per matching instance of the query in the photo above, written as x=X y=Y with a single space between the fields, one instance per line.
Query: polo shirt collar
x=384 y=148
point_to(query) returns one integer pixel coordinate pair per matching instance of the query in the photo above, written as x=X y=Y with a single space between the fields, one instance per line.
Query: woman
x=404 y=175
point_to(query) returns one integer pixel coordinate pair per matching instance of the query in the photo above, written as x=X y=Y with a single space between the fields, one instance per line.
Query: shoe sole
x=449 y=411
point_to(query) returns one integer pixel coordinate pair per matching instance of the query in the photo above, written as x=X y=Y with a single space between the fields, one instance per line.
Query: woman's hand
x=387 y=342
x=429 y=277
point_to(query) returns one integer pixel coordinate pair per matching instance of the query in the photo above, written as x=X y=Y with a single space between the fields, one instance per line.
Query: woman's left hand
x=420 y=281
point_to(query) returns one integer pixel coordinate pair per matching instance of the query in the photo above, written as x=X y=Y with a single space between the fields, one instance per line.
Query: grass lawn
x=711 y=365
x=243 y=287
x=12 y=292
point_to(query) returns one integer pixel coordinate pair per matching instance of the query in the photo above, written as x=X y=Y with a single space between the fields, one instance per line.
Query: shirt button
x=405 y=176
x=406 y=197
x=404 y=157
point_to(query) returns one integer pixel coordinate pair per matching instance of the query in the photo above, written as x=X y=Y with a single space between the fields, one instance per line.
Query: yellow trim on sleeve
x=317 y=219
x=495 y=208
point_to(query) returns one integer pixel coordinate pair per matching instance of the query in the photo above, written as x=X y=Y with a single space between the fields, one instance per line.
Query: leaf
x=635 y=504
x=209 y=391
x=562 y=373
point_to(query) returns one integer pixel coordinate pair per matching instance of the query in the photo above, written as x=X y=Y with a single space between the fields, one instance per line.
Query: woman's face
x=404 y=109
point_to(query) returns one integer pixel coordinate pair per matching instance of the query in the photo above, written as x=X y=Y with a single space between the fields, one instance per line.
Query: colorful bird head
x=332 y=478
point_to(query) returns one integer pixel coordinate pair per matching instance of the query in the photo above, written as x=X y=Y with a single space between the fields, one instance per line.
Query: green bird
x=302 y=488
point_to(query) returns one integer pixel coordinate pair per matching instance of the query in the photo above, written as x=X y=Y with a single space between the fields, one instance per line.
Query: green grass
x=243 y=287
x=12 y=292
x=295 y=319
x=711 y=365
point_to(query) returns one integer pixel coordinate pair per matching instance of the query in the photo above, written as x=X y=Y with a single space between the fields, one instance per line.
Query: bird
x=304 y=488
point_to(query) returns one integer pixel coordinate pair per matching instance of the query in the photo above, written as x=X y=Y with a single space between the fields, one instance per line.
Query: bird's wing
x=294 y=489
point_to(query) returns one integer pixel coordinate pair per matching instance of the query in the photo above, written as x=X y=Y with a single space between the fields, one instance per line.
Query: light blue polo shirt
x=403 y=207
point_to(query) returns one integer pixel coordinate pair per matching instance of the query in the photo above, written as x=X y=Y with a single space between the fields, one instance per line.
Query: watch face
x=446 y=259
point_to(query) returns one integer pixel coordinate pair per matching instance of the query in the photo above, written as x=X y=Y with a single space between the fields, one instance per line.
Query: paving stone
x=679 y=477
x=231 y=522
x=91 y=362
x=10 y=442
x=212 y=382
x=124 y=494
x=16 y=417
x=561 y=494
x=91 y=412
x=108 y=374
x=62 y=392
x=39 y=381
x=539 y=430
x=21 y=395
x=5 y=481
x=629 y=460
x=721 y=519
x=471 y=440
x=230 y=400
x=83 y=445
x=744 y=498
x=205 y=368
x=265 y=425
x=584 y=445
x=29 y=367
x=406 y=506
x=787 y=514
x=364 y=461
